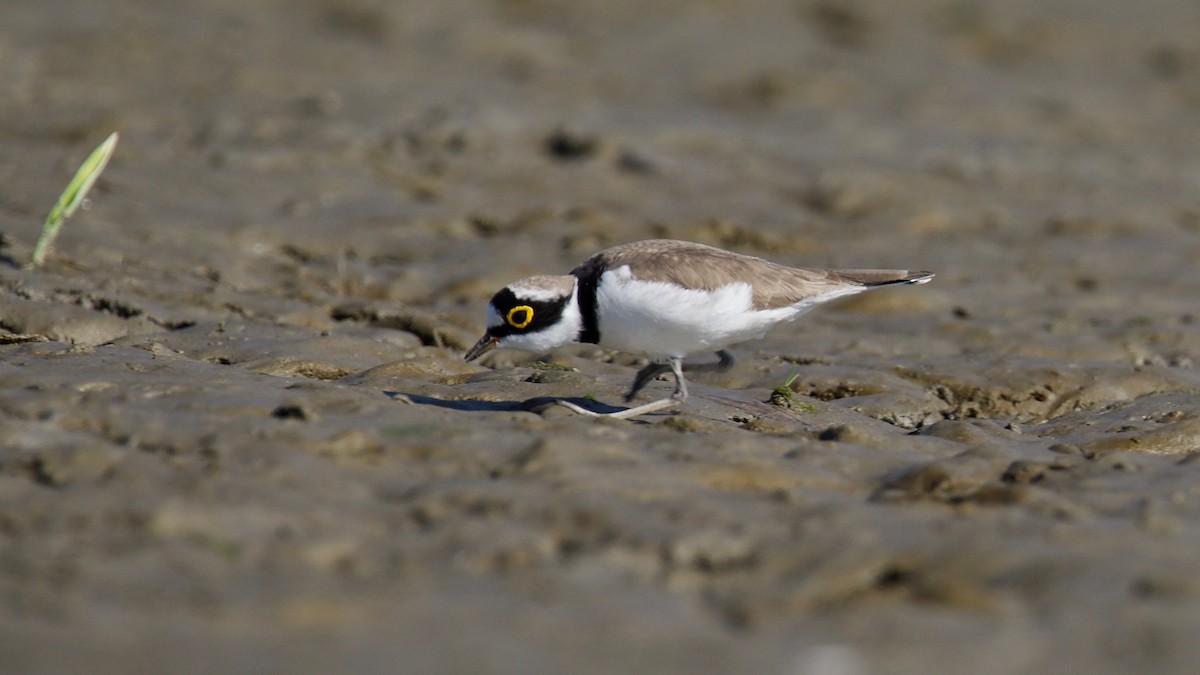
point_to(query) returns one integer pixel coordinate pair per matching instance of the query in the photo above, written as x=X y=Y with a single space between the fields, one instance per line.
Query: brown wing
x=706 y=268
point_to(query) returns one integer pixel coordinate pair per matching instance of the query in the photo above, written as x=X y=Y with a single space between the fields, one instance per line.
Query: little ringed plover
x=667 y=299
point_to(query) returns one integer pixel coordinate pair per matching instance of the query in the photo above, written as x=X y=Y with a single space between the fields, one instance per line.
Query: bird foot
x=635 y=411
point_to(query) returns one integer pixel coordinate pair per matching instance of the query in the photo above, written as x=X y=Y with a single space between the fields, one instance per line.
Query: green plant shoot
x=72 y=198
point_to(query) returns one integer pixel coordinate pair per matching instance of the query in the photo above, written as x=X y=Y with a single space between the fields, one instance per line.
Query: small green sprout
x=72 y=198
x=784 y=397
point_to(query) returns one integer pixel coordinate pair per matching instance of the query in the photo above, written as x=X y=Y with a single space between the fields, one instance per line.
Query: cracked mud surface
x=237 y=431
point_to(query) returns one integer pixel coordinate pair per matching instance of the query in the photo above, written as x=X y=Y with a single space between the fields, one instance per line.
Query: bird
x=668 y=299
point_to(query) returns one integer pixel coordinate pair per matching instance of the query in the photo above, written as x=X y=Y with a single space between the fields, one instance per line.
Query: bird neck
x=567 y=329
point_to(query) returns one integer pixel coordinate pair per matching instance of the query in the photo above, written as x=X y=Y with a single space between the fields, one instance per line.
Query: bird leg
x=673 y=365
x=644 y=376
x=725 y=363
x=657 y=368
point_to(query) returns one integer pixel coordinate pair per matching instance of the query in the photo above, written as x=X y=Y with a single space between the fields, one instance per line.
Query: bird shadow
x=533 y=405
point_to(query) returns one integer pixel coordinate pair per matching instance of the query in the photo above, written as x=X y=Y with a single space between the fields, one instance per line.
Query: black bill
x=486 y=343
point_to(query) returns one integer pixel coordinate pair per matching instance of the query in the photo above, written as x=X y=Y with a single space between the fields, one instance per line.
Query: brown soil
x=238 y=434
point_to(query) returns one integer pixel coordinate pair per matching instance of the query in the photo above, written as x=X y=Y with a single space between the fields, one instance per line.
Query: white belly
x=664 y=319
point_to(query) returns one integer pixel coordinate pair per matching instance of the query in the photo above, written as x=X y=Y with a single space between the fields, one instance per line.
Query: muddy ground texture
x=238 y=434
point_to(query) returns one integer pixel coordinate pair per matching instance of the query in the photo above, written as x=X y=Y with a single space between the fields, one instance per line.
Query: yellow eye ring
x=514 y=318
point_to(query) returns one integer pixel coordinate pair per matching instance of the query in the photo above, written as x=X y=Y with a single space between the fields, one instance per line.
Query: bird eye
x=519 y=316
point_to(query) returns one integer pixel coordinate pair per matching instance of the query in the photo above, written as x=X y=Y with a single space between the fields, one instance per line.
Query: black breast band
x=589 y=278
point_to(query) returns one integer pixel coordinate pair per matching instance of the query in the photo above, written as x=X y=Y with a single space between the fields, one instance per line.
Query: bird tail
x=886 y=277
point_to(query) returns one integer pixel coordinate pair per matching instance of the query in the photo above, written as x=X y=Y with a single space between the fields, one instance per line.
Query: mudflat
x=237 y=433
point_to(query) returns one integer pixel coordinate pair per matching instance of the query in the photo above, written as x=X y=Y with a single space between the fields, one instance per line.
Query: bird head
x=534 y=314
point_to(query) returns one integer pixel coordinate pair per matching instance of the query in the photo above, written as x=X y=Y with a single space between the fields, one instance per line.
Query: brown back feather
x=703 y=267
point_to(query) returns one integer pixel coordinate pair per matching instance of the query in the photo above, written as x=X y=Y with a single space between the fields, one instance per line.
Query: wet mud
x=237 y=430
